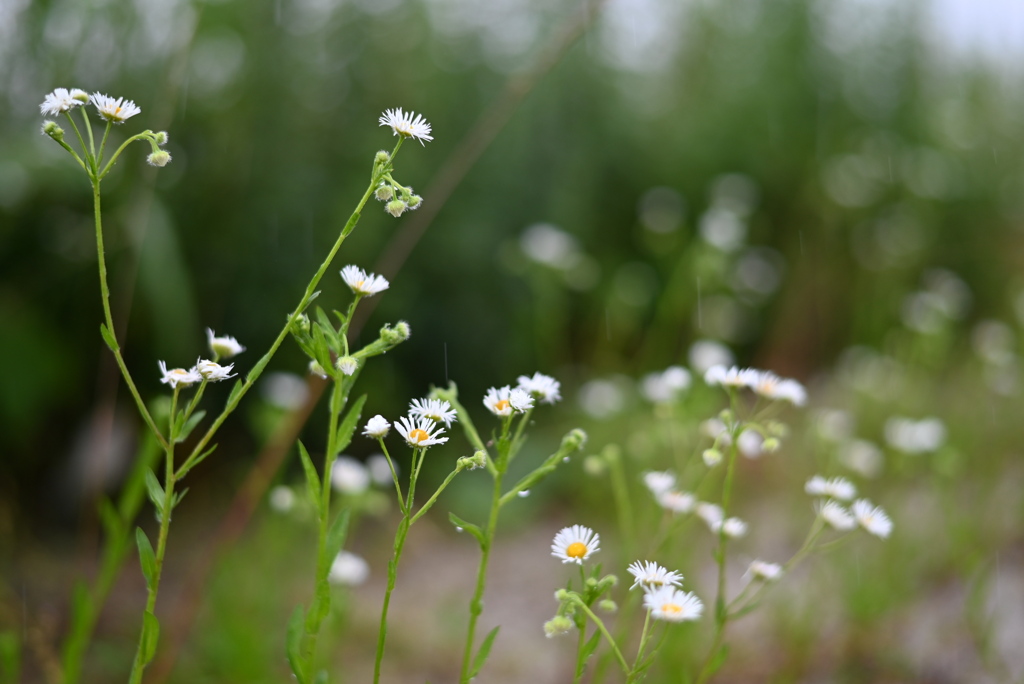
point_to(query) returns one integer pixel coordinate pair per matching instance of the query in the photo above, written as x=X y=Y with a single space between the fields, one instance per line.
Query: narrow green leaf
x=178 y=496
x=235 y=391
x=146 y=557
x=189 y=426
x=321 y=349
x=150 y=636
x=110 y=518
x=327 y=327
x=199 y=459
x=719 y=659
x=156 y=492
x=342 y=318
x=81 y=606
x=312 y=297
x=108 y=337
x=591 y=645
x=468 y=527
x=312 y=480
x=484 y=651
x=293 y=644
x=335 y=538
x=348 y=426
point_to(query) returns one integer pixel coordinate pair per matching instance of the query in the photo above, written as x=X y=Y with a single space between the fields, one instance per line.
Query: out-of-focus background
x=830 y=189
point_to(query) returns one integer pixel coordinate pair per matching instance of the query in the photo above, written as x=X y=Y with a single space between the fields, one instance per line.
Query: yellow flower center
x=418 y=435
x=672 y=608
x=576 y=550
x=179 y=371
x=501 y=405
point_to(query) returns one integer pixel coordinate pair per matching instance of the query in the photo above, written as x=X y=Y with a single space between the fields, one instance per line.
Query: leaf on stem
x=178 y=496
x=293 y=644
x=312 y=479
x=335 y=538
x=348 y=426
x=468 y=527
x=590 y=646
x=235 y=391
x=199 y=459
x=150 y=636
x=189 y=426
x=146 y=557
x=110 y=518
x=156 y=493
x=108 y=337
x=321 y=349
x=329 y=331
x=483 y=652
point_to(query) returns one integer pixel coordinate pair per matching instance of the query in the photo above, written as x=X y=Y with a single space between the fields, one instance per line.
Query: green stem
x=645 y=635
x=430 y=502
x=103 y=144
x=620 y=491
x=105 y=296
x=476 y=606
x=394 y=474
x=607 y=635
x=581 y=641
x=90 y=167
x=106 y=169
x=92 y=142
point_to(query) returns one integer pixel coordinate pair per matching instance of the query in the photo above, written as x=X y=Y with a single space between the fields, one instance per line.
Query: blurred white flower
x=407 y=124
x=872 y=518
x=659 y=482
x=348 y=569
x=768 y=572
x=282 y=498
x=178 y=377
x=380 y=471
x=915 y=436
x=601 y=398
x=837 y=516
x=547 y=244
x=223 y=347
x=749 y=443
x=707 y=353
x=349 y=476
x=543 y=388
x=835 y=488
x=575 y=544
x=676 y=501
x=711 y=514
x=862 y=457
x=665 y=386
x=284 y=390
x=672 y=605
x=649 y=575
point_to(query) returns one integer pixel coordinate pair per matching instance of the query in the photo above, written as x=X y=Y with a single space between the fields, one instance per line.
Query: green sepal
x=335 y=538
x=293 y=644
x=150 y=636
x=190 y=425
x=468 y=527
x=108 y=337
x=483 y=652
x=348 y=426
x=156 y=492
x=146 y=558
x=312 y=479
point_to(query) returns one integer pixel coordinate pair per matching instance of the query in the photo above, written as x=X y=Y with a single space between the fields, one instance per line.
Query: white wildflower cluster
x=862 y=512
x=915 y=436
x=662 y=485
x=662 y=596
x=763 y=383
x=666 y=386
x=421 y=428
x=507 y=400
x=204 y=369
x=397 y=198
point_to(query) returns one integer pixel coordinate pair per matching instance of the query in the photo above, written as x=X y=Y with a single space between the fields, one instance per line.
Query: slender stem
x=89 y=168
x=607 y=635
x=623 y=506
x=103 y=144
x=476 y=606
x=645 y=635
x=105 y=296
x=581 y=641
x=92 y=143
x=106 y=168
x=430 y=502
x=394 y=474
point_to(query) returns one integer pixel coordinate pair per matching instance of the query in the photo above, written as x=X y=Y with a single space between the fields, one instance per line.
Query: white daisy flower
x=115 y=111
x=734 y=528
x=673 y=605
x=503 y=401
x=677 y=502
x=836 y=488
x=407 y=124
x=214 y=372
x=437 y=410
x=417 y=432
x=726 y=377
x=575 y=544
x=872 y=518
x=650 y=575
x=179 y=377
x=62 y=100
x=363 y=283
x=768 y=572
x=711 y=514
x=223 y=347
x=349 y=476
x=377 y=427
x=837 y=516
x=659 y=482
x=543 y=388
x=348 y=569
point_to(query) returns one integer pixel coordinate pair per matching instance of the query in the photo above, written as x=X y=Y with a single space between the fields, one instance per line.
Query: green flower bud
x=414 y=201
x=316 y=369
x=384 y=192
x=770 y=445
x=346 y=364
x=712 y=457
x=563 y=595
x=382 y=157
x=574 y=439
x=51 y=129
x=396 y=207
x=608 y=606
x=160 y=138
x=301 y=324
x=80 y=95
x=159 y=158
x=477 y=460
x=557 y=626
x=595 y=466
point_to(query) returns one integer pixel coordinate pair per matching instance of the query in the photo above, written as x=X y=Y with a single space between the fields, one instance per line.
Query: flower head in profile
x=115 y=111
x=223 y=347
x=771 y=386
x=835 y=488
x=437 y=410
x=650 y=575
x=62 y=100
x=417 y=432
x=711 y=514
x=659 y=482
x=179 y=377
x=363 y=283
x=726 y=377
x=767 y=572
x=575 y=544
x=676 y=501
x=543 y=388
x=213 y=371
x=377 y=427
x=872 y=518
x=837 y=516
x=407 y=124
x=672 y=605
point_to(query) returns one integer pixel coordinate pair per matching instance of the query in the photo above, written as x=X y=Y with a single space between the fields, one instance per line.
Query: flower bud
x=574 y=439
x=477 y=460
x=562 y=595
x=770 y=445
x=159 y=158
x=392 y=336
x=51 y=129
x=395 y=207
x=160 y=138
x=712 y=457
x=557 y=626
x=382 y=157
x=608 y=606
x=384 y=192
x=80 y=95
x=414 y=201
x=316 y=369
x=595 y=466
x=346 y=364
x=301 y=324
